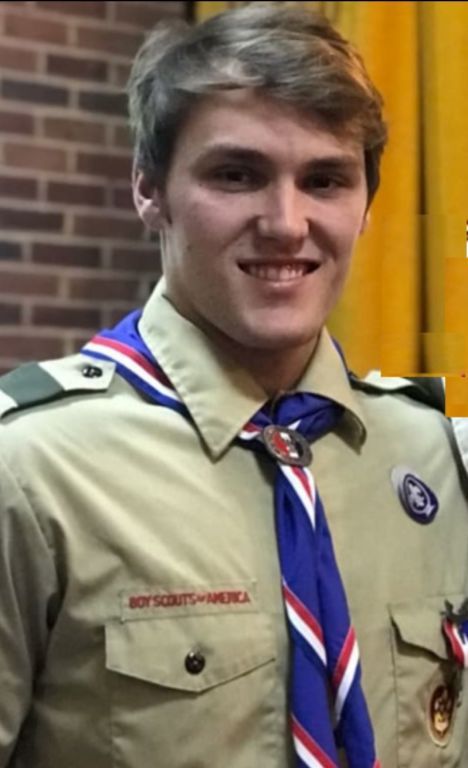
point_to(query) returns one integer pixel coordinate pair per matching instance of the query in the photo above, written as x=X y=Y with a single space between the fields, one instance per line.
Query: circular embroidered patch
x=441 y=713
x=416 y=497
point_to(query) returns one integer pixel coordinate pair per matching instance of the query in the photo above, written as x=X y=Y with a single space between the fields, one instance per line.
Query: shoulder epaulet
x=36 y=383
x=427 y=390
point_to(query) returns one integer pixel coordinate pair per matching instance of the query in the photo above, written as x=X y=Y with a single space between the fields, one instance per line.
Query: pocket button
x=195 y=662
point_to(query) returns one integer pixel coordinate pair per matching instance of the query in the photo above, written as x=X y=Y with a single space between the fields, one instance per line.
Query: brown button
x=195 y=662
x=91 y=372
x=441 y=710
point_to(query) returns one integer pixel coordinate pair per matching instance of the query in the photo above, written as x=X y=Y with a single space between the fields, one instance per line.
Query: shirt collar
x=221 y=396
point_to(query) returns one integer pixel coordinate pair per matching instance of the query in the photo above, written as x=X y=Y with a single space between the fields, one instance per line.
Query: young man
x=169 y=593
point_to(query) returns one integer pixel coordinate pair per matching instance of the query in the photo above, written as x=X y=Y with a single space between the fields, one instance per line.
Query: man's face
x=259 y=217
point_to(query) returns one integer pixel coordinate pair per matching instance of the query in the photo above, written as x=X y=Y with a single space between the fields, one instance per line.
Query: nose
x=284 y=216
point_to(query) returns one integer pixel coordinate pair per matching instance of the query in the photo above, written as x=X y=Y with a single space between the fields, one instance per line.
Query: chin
x=281 y=340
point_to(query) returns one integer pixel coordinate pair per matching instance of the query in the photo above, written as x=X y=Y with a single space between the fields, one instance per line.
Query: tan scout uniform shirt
x=135 y=548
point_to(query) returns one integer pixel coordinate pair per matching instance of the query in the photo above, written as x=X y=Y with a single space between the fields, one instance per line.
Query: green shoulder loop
x=429 y=391
x=36 y=383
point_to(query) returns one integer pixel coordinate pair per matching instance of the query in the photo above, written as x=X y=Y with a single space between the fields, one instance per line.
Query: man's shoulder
x=428 y=391
x=37 y=384
x=411 y=412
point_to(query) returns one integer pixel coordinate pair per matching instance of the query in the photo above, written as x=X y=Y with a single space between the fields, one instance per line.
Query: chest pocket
x=432 y=701
x=191 y=690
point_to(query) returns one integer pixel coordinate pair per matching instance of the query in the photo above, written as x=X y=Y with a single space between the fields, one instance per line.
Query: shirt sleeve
x=28 y=588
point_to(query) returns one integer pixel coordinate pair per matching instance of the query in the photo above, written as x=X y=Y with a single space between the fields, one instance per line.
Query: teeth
x=276 y=273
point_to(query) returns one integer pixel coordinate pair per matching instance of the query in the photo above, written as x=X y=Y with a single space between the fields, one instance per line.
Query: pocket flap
x=419 y=622
x=156 y=651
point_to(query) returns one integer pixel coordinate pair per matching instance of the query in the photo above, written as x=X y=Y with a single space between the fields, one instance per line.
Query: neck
x=279 y=372
x=276 y=371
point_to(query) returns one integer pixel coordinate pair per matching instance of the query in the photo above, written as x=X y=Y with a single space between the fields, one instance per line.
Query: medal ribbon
x=455 y=627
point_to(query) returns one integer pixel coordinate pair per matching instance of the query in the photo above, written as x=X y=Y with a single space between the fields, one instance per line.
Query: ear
x=365 y=222
x=147 y=201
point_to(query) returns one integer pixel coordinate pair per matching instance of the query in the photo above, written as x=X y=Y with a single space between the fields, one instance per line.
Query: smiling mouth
x=279 y=273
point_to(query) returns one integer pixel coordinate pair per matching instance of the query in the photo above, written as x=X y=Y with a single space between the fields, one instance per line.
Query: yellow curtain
x=444 y=38
x=404 y=309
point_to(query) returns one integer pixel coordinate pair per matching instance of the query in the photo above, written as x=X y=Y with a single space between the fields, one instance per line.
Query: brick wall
x=73 y=255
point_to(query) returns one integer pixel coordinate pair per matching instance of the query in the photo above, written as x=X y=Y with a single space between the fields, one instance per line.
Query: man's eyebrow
x=335 y=162
x=234 y=152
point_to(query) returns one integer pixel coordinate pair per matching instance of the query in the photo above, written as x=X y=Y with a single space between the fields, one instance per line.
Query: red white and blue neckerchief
x=325 y=658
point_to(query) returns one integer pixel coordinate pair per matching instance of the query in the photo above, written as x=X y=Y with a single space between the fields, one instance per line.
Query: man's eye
x=325 y=182
x=235 y=177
